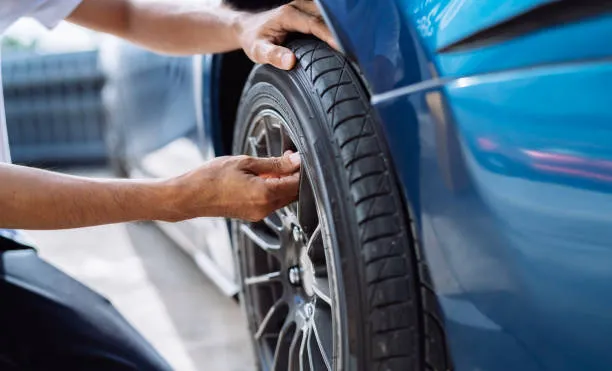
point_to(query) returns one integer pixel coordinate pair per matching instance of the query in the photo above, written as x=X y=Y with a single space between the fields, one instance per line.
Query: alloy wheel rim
x=285 y=268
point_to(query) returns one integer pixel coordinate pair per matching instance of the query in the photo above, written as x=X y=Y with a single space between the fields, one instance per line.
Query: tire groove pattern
x=333 y=86
x=363 y=176
x=404 y=324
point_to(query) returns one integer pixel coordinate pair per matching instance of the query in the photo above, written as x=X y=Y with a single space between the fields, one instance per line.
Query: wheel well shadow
x=234 y=71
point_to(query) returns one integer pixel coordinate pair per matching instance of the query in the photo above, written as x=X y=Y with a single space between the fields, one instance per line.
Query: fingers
x=294 y=19
x=284 y=189
x=266 y=52
x=259 y=40
x=307 y=6
x=269 y=194
x=267 y=167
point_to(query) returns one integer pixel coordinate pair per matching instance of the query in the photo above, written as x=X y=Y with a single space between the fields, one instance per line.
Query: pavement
x=159 y=289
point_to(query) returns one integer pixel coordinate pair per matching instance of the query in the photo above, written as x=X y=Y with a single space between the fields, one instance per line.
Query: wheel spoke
x=264 y=326
x=321 y=289
x=303 y=348
x=264 y=278
x=317 y=356
x=273 y=222
x=309 y=348
x=321 y=329
x=315 y=238
x=284 y=343
x=294 y=351
x=267 y=243
x=253 y=146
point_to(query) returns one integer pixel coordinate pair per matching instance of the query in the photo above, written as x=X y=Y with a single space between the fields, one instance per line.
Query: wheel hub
x=302 y=274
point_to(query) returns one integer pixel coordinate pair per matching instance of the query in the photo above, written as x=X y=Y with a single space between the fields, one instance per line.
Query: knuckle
x=318 y=26
x=267 y=55
x=277 y=164
x=286 y=9
x=244 y=160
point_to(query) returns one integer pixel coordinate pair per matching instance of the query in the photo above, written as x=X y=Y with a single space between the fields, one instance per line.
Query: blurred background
x=52 y=87
x=56 y=87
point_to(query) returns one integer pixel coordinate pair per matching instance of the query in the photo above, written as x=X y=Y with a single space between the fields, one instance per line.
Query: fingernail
x=287 y=60
x=295 y=158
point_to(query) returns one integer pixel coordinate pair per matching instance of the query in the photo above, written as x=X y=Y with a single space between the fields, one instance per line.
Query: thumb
x=274 y=166
x=267 y=53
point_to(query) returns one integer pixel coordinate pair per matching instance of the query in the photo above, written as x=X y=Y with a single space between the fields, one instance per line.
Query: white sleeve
x=48 y=12
x=51 y=12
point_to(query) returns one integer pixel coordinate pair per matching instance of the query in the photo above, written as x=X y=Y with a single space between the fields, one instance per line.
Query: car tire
x=385 y=312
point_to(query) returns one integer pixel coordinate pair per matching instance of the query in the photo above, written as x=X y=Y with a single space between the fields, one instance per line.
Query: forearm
x=38 y=199
x=163 y=25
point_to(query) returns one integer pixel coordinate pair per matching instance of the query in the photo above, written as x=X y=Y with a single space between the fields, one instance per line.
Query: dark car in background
x=455 y=197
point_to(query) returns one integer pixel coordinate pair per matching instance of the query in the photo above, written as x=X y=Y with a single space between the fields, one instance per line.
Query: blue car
x=455 y=205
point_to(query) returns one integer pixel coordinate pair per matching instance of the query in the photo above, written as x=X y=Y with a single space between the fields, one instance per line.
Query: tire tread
x=403 y=315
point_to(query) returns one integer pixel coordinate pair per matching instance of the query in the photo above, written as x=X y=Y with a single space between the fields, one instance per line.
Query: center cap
x=308 y=273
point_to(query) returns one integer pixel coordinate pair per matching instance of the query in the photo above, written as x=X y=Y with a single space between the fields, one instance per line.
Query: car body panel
x=513 y=205
x=385 y=50
x=166 y=117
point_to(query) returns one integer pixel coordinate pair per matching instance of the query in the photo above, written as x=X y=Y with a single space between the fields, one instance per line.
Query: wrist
x=184 y=197
x=238 y=20
x=165 y=200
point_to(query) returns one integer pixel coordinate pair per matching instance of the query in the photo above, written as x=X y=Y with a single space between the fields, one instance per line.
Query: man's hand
x=238 y=187
x=173 y=27
x=242 y=187
x=261 y=34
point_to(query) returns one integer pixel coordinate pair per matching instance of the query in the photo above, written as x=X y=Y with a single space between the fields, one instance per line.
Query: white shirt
x=49 y=13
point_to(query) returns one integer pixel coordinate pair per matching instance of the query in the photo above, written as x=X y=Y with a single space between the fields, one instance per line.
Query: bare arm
x=166 y=26
x=227 y=186
x=195 y=28
x=32 y=198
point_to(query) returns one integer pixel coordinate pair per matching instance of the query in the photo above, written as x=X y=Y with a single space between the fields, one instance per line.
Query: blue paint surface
x=385 y=35
x=504 y=153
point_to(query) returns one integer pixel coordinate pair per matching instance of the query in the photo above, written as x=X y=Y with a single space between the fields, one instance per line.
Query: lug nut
x=294 y=276
x=309 y=310
x=298 y=236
